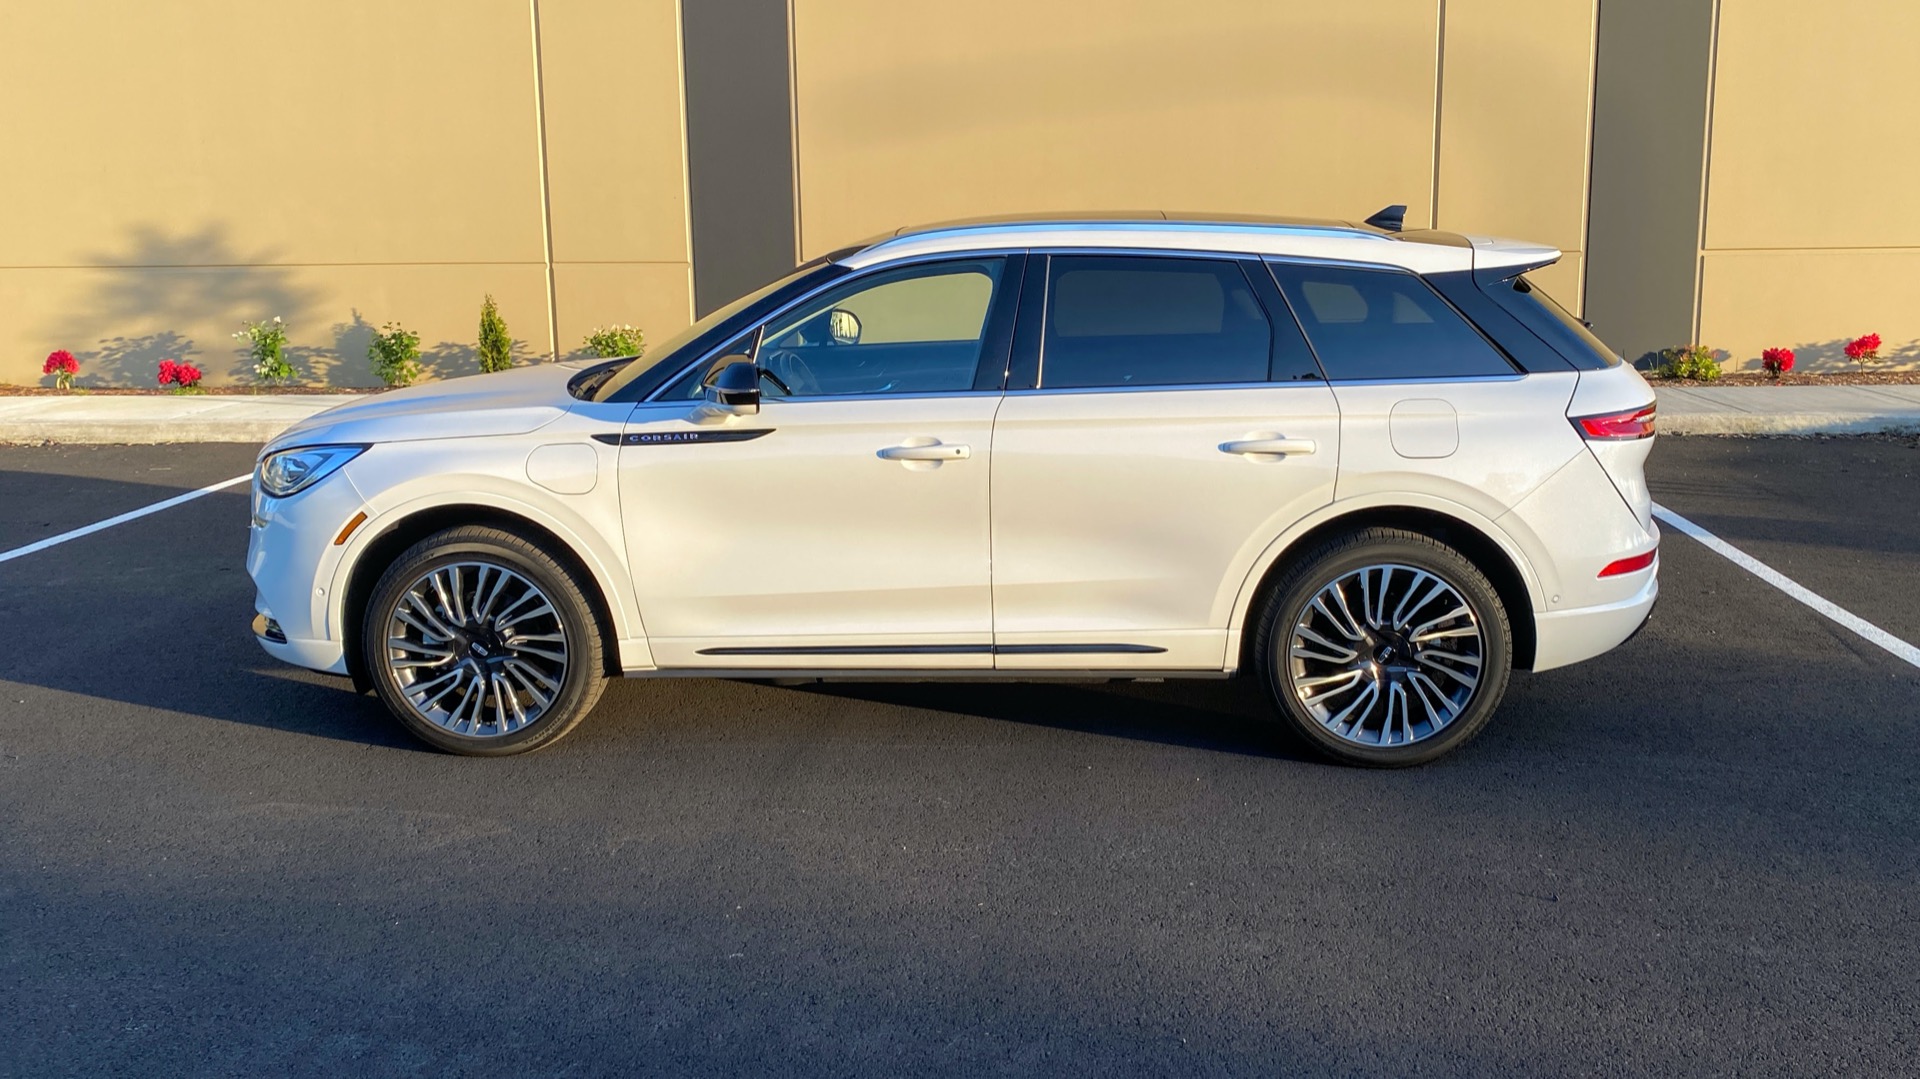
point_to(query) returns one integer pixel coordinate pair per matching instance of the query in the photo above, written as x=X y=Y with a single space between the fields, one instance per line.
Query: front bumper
x=1563 y=637
x=325 y=656
x=292 y=559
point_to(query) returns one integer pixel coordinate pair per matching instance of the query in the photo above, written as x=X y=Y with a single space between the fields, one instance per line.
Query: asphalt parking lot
x=1699 y=854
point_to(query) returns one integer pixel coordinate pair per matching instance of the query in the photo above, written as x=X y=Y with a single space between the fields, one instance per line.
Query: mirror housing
x=734 y=387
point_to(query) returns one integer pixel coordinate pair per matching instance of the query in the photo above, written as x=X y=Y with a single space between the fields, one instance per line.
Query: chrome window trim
x=1516 y=377
x=856 y=275
x=1170 y=387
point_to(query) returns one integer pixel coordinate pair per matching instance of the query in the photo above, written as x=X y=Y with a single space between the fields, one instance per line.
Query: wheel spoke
x=1341 y=654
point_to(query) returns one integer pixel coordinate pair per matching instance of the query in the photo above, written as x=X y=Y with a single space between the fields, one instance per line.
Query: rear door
x=1164 y=422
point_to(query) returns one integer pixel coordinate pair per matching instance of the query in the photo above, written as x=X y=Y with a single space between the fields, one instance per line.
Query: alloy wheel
x=477 y=649
x=1385 y=655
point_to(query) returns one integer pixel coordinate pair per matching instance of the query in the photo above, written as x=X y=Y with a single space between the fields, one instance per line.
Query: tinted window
x=1138 y=321
x=915 y=330
x=644 y=375
x=1556 y=325
x=1383 y=324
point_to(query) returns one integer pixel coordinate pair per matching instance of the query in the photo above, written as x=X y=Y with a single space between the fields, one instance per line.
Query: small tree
x=496 y=344
x=621 y=340
x=267 y=347
x=395 y=355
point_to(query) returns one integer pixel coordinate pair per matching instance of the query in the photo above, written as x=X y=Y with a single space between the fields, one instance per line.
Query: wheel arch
x=379 y=550
x=1480 y=541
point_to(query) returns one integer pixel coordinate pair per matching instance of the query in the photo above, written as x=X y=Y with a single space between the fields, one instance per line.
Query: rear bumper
x=1563 y=637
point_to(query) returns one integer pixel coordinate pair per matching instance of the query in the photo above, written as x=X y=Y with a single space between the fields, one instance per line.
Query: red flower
x=168 y=371
x=1777 y=361
x=1864 y=348
x=187 y=374
x=60 y=362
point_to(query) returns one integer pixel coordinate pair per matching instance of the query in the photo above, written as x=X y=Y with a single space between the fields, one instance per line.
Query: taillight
x=1617 y=426
x=1629 y=565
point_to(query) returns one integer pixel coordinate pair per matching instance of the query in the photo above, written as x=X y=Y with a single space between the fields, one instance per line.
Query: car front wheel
x=1384 y=648
x=482 y=643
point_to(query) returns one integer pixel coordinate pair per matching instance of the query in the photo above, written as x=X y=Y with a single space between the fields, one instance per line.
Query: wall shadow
x=153 y=291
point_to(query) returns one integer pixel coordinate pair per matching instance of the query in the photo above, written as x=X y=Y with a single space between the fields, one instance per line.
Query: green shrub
x=395 y=355
x=621 y=340
x=267 y=346
x=496 y=344
x=1696 y=362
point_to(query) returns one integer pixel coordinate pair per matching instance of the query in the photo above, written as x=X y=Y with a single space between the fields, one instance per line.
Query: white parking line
x=1867 y=630
x=88 y=530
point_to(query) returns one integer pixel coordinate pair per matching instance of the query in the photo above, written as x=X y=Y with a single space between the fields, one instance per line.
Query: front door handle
x=1270 y=447
x=915 y=450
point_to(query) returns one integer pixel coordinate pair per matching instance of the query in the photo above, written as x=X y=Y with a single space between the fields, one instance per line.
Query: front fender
x=493 y=477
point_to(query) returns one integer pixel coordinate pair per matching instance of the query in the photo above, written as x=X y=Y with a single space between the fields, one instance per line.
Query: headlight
x=292 y=471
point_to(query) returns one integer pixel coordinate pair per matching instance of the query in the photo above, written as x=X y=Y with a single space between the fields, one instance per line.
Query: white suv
x=1378 y=469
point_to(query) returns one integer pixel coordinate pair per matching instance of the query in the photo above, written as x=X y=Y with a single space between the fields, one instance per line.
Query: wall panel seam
x=1706 y=171
x=793 y=119
x=1439 y=81
x=546 y=193
x=270 y=265
x=1586 y=189
x=686 y=159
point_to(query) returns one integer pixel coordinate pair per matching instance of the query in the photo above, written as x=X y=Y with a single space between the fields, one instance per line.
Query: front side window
x=1383 y=324
x=914 y=330
x=1130 y=320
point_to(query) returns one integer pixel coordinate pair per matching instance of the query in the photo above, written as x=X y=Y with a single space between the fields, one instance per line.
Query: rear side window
x=1557 y=326
x=1116 y=321
x=1383 y=324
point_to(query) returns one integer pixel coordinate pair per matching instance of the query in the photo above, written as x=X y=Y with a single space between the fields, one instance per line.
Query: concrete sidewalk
x=211 y=418
x=1684 y=410
x=1788 y=410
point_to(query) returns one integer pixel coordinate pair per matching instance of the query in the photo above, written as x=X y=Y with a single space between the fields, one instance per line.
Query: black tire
x=1288 y=600
x=580 y=680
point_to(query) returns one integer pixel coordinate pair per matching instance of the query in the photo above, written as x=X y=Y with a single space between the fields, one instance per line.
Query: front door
x=845 y=525
x=1174 y=425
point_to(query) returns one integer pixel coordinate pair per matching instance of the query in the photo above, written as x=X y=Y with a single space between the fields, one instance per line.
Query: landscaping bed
x=1836 y=378
x=142 y=391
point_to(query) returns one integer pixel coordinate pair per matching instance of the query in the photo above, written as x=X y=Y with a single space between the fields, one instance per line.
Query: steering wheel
x=785 y=369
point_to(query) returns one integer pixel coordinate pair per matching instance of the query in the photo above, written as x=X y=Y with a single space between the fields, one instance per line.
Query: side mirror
x=844 y=326
x=734 y=389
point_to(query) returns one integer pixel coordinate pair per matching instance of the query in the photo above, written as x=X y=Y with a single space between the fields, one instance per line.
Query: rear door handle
x=1270 y=447
x=931 y=451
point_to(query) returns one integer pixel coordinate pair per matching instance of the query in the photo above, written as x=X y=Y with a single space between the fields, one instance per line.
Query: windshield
x=664 y=354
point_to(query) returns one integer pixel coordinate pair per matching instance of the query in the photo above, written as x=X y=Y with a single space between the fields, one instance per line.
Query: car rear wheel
x=1384 y=648
x=482 y=643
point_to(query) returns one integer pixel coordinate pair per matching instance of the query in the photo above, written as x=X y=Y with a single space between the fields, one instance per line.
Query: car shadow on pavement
x=1224 y=716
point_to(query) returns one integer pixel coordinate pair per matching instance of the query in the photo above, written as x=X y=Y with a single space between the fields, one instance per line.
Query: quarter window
x=1140 y=321
x=1383 y=324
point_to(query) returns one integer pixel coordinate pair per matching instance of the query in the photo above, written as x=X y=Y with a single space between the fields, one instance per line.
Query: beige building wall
x=1812 y=231
x=175 y=169
x=1260 y=107
x=1515 y=120
x=909 y=113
